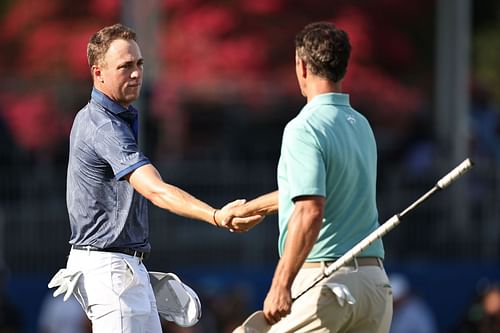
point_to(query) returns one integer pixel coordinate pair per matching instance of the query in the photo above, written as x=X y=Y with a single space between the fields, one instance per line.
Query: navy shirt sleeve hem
x=126 y=171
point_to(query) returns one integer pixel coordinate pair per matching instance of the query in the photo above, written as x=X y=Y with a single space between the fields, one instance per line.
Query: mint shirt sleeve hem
x=312 y=191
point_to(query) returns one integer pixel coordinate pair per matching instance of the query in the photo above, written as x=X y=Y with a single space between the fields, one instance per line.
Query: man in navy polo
x=108 y=184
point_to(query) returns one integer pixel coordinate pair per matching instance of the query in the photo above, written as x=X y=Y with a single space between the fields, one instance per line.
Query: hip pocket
x=131 y=284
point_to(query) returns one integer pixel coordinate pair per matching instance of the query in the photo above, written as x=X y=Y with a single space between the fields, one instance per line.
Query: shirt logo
x=351 y=119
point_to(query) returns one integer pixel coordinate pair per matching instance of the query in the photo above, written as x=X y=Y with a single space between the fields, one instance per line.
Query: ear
x=302 y=68
x=96 y=73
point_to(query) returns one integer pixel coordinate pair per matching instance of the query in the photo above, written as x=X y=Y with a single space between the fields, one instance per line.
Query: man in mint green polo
x=327 y=203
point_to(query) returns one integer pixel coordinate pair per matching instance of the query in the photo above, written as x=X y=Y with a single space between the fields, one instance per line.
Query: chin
x=132 y=98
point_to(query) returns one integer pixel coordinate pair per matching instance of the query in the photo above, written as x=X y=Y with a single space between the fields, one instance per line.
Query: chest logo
x=351 y=119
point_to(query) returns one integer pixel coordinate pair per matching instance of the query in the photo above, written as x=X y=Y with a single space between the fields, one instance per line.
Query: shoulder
x=307 y=121
x=299 y=130
x=358 y=114
x=101 y=120
x=300 y=121
x=296 y=125
x=93 y=123
x=92 y=115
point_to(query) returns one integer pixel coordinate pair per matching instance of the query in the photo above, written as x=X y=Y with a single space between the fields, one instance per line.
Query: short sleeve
x=116 y=144
x=305 y=167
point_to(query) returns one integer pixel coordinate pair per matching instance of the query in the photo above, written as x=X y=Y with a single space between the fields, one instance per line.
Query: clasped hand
x=234 y=217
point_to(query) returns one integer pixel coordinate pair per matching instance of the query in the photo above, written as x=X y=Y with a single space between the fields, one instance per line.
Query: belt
x=359 y=261
x=124 y=250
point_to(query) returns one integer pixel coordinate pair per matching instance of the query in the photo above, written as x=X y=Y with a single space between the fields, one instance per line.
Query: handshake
x=241 y=216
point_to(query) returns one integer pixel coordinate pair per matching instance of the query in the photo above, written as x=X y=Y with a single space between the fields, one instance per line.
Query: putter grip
x=455 y=173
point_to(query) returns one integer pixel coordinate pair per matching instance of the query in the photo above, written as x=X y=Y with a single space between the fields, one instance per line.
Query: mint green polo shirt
x=329 y=150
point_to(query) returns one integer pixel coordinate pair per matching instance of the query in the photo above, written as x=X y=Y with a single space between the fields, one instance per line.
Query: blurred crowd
x=32 y=117
x=411 y=313
x=483 y=314
x=225 y=310
x=222 y=313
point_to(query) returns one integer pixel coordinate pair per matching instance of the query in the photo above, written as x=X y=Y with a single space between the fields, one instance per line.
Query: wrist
x=214 y=218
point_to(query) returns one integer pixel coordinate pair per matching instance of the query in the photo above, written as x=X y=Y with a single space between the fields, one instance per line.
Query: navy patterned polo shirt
x=104 y=209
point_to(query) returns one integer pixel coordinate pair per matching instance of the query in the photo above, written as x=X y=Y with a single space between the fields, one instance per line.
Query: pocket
x=122 y=276
x=383 y=306
x=81 y=296
x=384 y=289
x=341 y=292
x=131 y=284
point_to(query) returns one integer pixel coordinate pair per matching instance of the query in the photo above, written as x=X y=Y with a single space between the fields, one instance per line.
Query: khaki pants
x=319 y=310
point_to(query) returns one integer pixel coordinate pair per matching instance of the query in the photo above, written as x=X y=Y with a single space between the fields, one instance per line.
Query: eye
x=125 y=66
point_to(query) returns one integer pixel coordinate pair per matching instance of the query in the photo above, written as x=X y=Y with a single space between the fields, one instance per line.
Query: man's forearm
x=263 y=205
x=182 y=203
x=147 y=181
x=303 y=231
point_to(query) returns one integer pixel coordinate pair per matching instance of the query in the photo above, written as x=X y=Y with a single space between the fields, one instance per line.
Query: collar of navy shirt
x=130 y=114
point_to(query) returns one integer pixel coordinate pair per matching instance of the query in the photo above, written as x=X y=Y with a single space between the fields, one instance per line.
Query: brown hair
x=99 y=43
x=325 y=49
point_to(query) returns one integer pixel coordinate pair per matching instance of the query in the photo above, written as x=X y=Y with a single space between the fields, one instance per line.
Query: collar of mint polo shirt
x=130 y=115
x=330 y=98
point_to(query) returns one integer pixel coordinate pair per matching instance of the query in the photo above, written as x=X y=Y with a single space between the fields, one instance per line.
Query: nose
x=137 y=73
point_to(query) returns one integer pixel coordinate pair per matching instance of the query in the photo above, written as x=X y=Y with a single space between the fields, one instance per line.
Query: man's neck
x=103 y=89
x=321 y=86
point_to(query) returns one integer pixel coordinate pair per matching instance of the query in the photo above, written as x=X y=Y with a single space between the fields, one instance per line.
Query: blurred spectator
x=419 y=150
x=57 y=316
x=483 y=315
x=10 y=158
x=224 y=308
x=230 y=308
x=411 y=314
x=485 y=124
x=7 y=147
x=10 y=317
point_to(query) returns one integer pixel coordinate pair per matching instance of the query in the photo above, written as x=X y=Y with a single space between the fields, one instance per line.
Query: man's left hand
x=278 y=303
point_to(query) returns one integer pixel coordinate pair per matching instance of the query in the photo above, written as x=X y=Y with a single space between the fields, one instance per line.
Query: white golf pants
x=115 y=292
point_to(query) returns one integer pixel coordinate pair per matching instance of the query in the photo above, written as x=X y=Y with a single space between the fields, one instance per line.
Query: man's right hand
x=233 y=217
